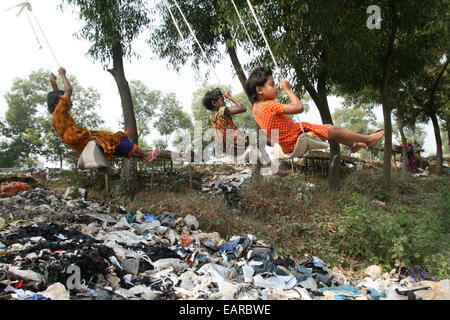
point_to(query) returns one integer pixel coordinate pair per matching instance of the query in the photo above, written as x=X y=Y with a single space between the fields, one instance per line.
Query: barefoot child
x=221 y=120
x=76 y=137
x=270 y=114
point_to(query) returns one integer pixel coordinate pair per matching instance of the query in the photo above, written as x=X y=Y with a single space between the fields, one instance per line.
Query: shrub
x=393 y=238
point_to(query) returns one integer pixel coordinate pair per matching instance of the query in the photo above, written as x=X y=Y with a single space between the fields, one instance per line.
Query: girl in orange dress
x=221 y=120
x=270 y=115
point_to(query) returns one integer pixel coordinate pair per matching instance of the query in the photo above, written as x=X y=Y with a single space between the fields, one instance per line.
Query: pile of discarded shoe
x=227 y=185
x=53 y=247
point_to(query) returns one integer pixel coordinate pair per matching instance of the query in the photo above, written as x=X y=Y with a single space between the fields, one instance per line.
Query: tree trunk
x=335 y=148
x=430 y=107
x=437 y=136
x=256 y=168
x=404 y=150
x=118 y=73
x=386 y=103
x=319 y=97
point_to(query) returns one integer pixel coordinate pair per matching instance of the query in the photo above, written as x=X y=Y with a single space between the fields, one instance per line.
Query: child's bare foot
x=374 y=137
x=150 y=155
x=358 y=146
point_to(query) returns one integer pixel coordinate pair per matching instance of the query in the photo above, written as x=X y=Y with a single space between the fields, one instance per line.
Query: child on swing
x=270 y=114
x=221 y=120
x=76 y=137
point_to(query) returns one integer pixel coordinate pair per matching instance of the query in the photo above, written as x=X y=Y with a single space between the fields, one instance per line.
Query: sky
x=22 y=53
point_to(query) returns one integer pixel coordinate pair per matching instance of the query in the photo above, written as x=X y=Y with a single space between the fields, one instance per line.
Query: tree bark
x=432 y=113
x=386 y=103
x=437 y=136
x=319 y=97
x=256 y=168
x=118 y=73
x=404 y=150
x=335 y=148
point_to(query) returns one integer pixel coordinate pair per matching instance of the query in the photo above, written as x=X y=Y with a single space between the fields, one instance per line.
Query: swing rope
x=45 y=37
x=278 y=70
x=246 y=31
x=182 y=37
x=198 y=43
x=264 y=37
x=27 y=6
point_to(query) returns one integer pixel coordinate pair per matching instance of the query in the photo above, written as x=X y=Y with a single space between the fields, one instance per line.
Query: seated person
x=76 y=137
x=270 y=115
x=221 y=120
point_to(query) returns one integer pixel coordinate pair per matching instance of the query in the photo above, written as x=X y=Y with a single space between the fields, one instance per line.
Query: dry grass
x=274 y=211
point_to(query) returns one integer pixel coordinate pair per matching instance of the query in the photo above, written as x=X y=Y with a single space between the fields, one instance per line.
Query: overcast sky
x=21 y=54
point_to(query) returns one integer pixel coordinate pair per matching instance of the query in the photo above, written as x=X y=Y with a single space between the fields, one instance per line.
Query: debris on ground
x=60 y=248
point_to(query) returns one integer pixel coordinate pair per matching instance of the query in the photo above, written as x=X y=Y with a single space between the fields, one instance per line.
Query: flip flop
x=155 y=153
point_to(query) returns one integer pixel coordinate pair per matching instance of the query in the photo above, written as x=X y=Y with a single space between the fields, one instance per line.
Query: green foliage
x=395 y=237
x=369 y=185
x=146 y=102
x=109 y=25
x=206 y=24
x=171 y=117
x=27 y=129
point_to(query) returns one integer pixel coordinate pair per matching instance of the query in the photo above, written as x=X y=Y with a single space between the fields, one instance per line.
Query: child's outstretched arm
x=53 y=82
x=67 y=86
x=296 y=105
x=240 y=108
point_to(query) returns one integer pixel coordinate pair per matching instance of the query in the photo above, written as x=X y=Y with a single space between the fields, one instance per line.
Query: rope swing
x=246 y=31
x=24 y=6
x=277 y=69
x=198 y=43
x=182 y=37
x=305 y=141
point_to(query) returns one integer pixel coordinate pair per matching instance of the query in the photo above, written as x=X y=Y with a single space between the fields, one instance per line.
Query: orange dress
x=270 y=116
x=223 y=123
x=76 y=137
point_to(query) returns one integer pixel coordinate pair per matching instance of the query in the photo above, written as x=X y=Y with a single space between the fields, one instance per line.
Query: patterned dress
x=76 y=137
x=270 y=116
x=221 y=123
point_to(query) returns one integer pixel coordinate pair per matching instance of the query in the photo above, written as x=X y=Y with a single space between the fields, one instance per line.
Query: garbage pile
x=56 y=248
x=226 y=184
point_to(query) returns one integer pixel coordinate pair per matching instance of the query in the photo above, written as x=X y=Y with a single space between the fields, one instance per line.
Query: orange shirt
x=76 y=137
x=270 y=116
x=223 y=123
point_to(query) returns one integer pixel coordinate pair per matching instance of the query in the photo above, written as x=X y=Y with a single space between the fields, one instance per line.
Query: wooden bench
x=319 y=161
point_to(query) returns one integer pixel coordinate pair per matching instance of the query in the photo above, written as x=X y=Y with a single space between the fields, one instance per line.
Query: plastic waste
x=150 y=218
x=373 y=271
x=191 y=222
x=56 y=291
x=274 y=282
x=177 y=264
x=345 y=292
x=214 y=270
